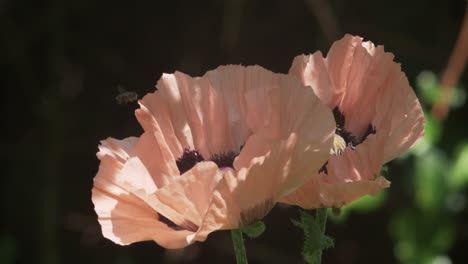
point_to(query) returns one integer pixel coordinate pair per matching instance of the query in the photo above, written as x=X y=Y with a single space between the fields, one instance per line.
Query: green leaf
x=254 y=230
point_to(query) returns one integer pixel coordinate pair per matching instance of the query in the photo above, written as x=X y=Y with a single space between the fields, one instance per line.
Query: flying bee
x=125 y=97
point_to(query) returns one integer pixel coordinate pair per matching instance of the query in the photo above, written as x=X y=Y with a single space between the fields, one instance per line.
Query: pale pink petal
x=349 y=177
x=134 y=178
x=189 y=195
x=229 y=83
x=293 y=109
x=159 y=162
x=286 y=132
x=400 y=117
x=364 y=83
x=358 y=77
x=197 y=114
x=125 y=217
x=280 y=156
x=369 y=76
x=120 y=150
x=246 y=196
x=159 y=125
x=318 y=194
x=312 y=70
x=362 y=163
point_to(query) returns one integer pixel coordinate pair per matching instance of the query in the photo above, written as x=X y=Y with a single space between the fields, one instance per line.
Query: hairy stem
x=321 y=219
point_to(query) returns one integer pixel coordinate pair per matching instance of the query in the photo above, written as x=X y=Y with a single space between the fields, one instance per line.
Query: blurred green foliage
x=429 y=90
x=458 y=175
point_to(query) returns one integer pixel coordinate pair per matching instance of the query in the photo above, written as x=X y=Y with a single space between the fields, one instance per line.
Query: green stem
x=321 y=219
x=239 y=248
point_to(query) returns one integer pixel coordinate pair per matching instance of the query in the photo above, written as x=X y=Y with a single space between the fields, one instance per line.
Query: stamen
x=339 y=145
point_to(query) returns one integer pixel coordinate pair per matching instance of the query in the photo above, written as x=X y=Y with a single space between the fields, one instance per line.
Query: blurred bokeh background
x=63 y=61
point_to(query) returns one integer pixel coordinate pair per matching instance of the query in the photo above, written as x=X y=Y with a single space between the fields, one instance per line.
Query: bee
x=125 y=97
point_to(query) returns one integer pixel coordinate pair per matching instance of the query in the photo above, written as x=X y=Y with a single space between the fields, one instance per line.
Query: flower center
x=188 y=159
x=347 y=136
x=191 y=157
x=344 y=138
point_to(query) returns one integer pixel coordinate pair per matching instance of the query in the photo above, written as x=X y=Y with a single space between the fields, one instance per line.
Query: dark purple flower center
x=191 y=157
x=188 y=159
x=350 y=139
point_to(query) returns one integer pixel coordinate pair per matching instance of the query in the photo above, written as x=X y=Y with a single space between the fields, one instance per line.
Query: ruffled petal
x=245 y=197
x=349 y=177
x=189 y=196
x=357 y=77
x=159 y=126
x=312 y=70
x=278 y=157
x=369 y=88
x=291 y=109
x=126 y=219
x=319 y=194
x=124 y=216
x=285 y=129
x=203 y=113
x=153 y=153
x=400 y=117
x=120 y=150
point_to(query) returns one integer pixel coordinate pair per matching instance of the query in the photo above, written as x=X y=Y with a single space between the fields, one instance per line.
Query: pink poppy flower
x=217 y=152
x=377 y=114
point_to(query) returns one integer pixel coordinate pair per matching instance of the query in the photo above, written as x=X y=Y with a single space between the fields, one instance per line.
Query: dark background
x=62 y=61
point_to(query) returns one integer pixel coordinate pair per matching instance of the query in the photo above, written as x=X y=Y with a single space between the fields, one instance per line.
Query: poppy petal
x=349 y=177
x=124 y=217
